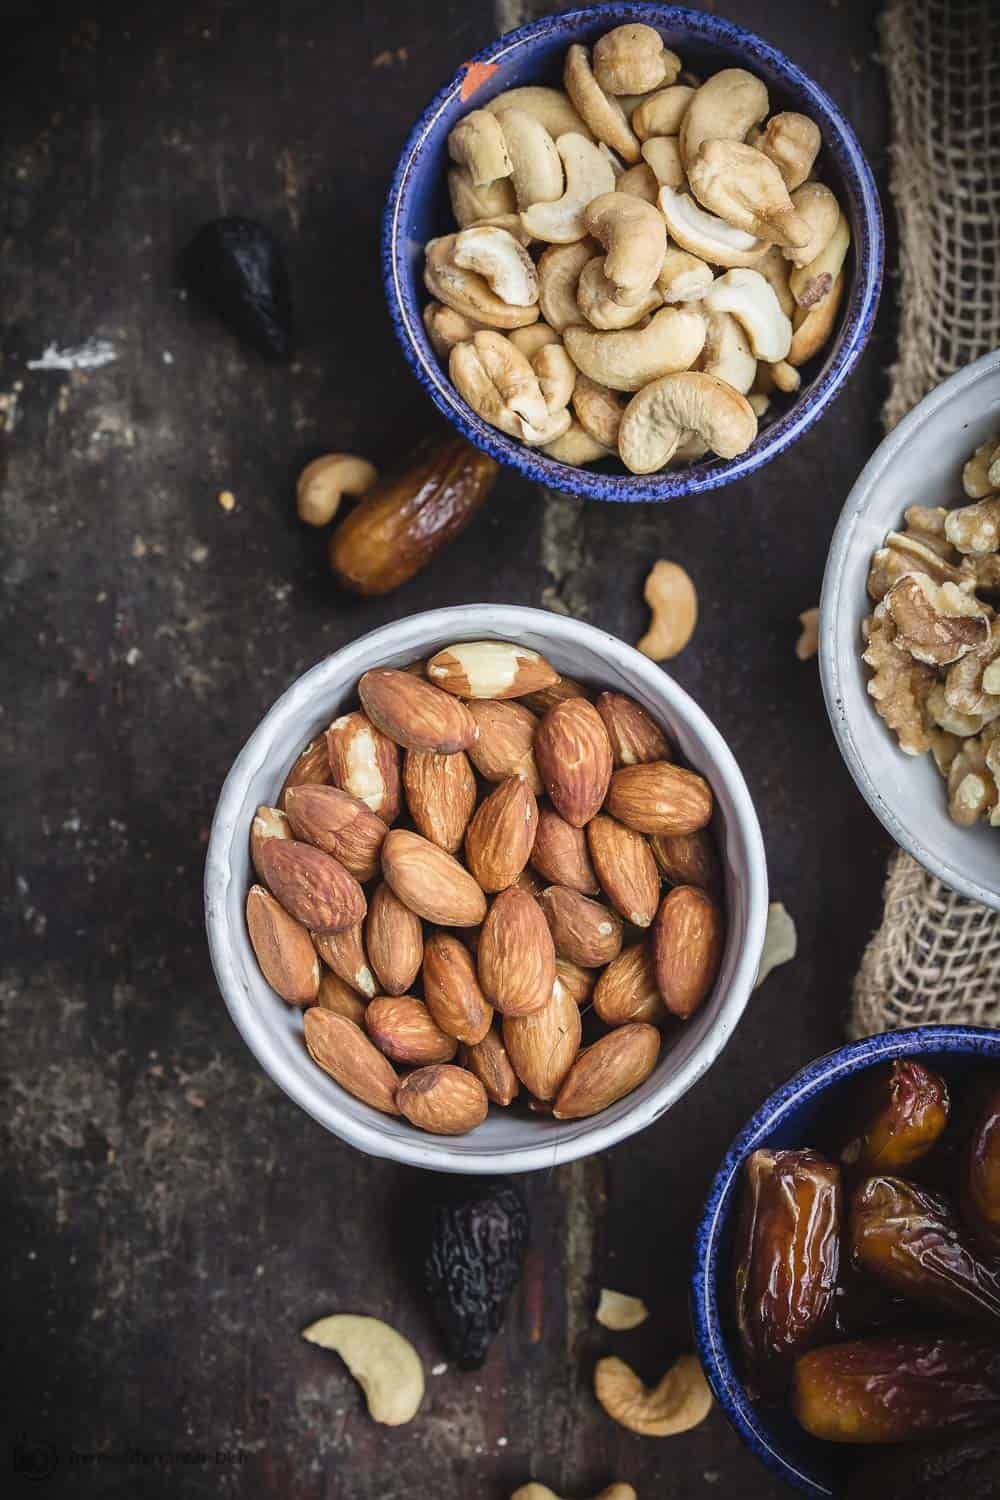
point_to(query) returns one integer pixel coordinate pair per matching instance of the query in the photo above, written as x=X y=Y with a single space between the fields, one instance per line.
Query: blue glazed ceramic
x=418 y=209
x=790 y=1117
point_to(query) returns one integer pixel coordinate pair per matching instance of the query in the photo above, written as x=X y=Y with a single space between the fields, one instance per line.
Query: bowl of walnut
x=909 y=642
x=485 y=891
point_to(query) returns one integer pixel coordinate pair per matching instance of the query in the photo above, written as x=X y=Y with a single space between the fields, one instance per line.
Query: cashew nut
x=588 y=174
x=556 y=374
x=786 y=378
x=530 y=340
x=602 y=112
x=781 y=941
x=635 y=237
x=760 y=403
x=744 y=187
x=633 y=60
x=814 y=325
x=575 y=446
x=501 y=261
x=558 y=274
x=727 y=353
x=536 y=170
x=679 y=1402
x=683 y=277
x=812 y=282
x=470 y=203
x=752 y=300
x=626 y=361
x=776 y=269
x=815 y=203
x=556 y=425
x=673 y=603
x=666 y=411
x=446 y=327
x=323 y=483
x=690 y=448
x=477 y=142
x=663 y=154
x=534 y=1491
x=595 y=296
x=662 y=113
x=725 y=108
x=467 y=292
x=385 y=1365
x=498 y=382
x=598 y=410
x=639 y=182
x=707 y=236
x=619 y=1311
x=510 y=222
x=792 y=142
x=550 y=107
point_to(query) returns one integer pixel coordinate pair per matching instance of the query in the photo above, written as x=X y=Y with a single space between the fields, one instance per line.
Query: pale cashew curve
x=639 y=181
x=752 y=300
x=576 y=446
x=662 y=153
x=744 y=187
x=477 y=142
x=727 y=353
x=446 y=327
x=501 y=261
x=679 y=1402
x=683 y=277
x=792 y=141
x=536 y=170
x=814 y=325
x=663 y=412
x=725 y=108
x=635 y=237
x=662 y=113
x=812 y=282
x=588 y=174
x=626 y=361
x=815 y=203
x=550 y=107
x=466 y=291
x=603 y=114
x=559 y=271
x=598 y=410
x=382 y=1361
x=470 y=202
x=323 y=484
x=706 y=235
x=596 y=299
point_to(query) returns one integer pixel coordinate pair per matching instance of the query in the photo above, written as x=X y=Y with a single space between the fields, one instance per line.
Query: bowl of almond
x=485 y=891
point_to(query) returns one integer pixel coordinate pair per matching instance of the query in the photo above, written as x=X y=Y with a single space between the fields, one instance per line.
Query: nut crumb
x=808 y=642
x=227 y=500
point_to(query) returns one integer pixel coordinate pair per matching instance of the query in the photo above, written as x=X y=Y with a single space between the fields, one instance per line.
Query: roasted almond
x=394 y=938
x=505 y=744
x=626 y=869
x=268 y=823
x=404 y=1029
x=575 y=978
x=688 y=859
x=365 y=762
x=515 y=956
x=441 y=795
x=559 y=692
x=627 y=989
x=283 y=947
x=310 y=768
x=443 y=1099
x=313 y=886
x=489 y=1061
x=560 y=853
x=660 y=798
x=430 y=881
x=688 y=936
x=584 y=931
x=490 y=669
x=573 y=755
x=528 y=881
x=335 y=995
x=635 y=736
x=344 y=953
x=339 y=823
x=543 y=1045
x=451 y=989
x=499 y=838
x=414 y=713
x=342 y=1050
x=608 y=1070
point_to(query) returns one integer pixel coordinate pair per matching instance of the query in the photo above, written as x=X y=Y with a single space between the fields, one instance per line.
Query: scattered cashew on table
x=669 y=242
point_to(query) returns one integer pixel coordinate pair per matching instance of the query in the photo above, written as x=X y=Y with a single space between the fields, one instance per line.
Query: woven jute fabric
x=936 y=956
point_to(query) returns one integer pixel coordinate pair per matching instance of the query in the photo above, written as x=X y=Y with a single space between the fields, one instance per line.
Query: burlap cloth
x=936 y=956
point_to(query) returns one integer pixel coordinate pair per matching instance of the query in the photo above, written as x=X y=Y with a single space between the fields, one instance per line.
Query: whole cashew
x=663 y=412
x=680 y=1401
x=792 y=142
x=815 y=203
x=596 y=299
x=673 y=604
x=556 y=426
x=744 y=187
x=498 y=382
x=559 y=271
x=537 y=172
x=598 y=410
x=467 y=292
x=810 y=284
x=760 y=403
x=705 y=235
x=534 y=1491
x=530 y=340
x=635 y=237
x=626 y=361
x=588 y=174
x=576 y=446
x=323 y=483
x=446 y=327
x=662 y=113
x=470 y=203
x=813 y=325
x=727 y=353
x=776 y=269
x=510 y=222
x=752 y=300
x=683 y=277
x=602 y=112
x=384 y=1363
x=725 y=108
x=477 y=142
x=550 y=107
x=640 y=182
x=663 y=154
x=501 y=261
x=556 y=374
x=632 y=60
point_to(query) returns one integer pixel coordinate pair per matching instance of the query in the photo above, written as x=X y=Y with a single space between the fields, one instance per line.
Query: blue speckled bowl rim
x=810 y=1081
x=857 y=317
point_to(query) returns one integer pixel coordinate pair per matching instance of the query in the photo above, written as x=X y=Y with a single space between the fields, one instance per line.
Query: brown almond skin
x=310 y=768
x=626 y=869
x=559 y=692
x=342 y=1050
x=529 y=881
x=344 y=953
x=515 y=957
x=443 y=1099
x=338 y=823
x=575 y=978
x=365 y=762
x=283 y=948
x=608 y=1070
x=441 y=796
x=430 y=881
x=452 y=991
x=403 y=1028
x=688 y=936
x=543 y=1046
x=488 y=1060
x=627 y=989
x=506 y=740
x=660 y=798
x=689 y=859
x=584 y=931
x=268 y=823
x=313 y=886
x=560 y=853
x=573 y=755
x=636 y=738
x=336 y=995
x=414 y=713
x=499 y=838
x=394 y=938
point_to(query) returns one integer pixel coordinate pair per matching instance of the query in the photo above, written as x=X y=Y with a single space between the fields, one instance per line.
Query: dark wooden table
x=172 y=1220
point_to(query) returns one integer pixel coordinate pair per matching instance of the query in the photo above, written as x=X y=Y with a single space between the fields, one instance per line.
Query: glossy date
x=980 y=1185
x=905 y=1112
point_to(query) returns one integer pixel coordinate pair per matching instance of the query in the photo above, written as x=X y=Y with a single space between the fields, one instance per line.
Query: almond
x=608 y=1070
x=430 y=881
x=443 y=1099
x=688 y=859
x=283 y=947
x=505 y=744
x=635 y=737
x=626 y=869
x=451 y=989
x=488 y=1060
x=268 y=823
x=490 y=669
x=529 y=881
x=575 y=978
x=338 y=823
x=660 y=798
x=500 y=836
x=394 y=938
x=583 y=931
x=559 y=692
x=560 y=853
x=310 y=768
x=313 y=886
x=342 y=1050
x=573 y=754
x=404 y=1029
x=688 y=936
x=365 y=762
x=515 y=956
x=542 y=1046
x=414 y=713
x=337 y=996
x=441 y=795
x=344 y=953
x=627 y=989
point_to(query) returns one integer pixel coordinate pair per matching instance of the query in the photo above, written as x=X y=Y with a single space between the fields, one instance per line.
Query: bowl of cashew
x=632 y=251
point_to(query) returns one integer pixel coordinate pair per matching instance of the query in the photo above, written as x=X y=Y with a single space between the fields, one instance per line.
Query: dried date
x=905 y=1112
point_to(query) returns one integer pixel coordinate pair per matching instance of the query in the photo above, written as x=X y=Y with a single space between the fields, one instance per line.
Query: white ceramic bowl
x=506 y=1142
x=919 y=463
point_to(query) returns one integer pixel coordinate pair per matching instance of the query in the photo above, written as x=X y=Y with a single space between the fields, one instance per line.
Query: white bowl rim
x=416 y=1148
x=855 y=506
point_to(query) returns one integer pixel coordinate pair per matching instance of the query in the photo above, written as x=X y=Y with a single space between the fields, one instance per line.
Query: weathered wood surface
x=172 y=1219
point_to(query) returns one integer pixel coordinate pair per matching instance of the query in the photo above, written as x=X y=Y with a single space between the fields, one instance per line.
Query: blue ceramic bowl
x=418 y=209
x=791 y=1117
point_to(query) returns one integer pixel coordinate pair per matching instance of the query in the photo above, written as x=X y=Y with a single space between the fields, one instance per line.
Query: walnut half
x=899 y=685
x=937 y=623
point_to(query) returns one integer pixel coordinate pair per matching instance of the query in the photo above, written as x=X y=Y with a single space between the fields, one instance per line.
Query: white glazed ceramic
x=506 y=1142
x=919 y=463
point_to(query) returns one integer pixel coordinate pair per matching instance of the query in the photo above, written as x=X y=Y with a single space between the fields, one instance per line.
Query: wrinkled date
x=980 y=1187
x=905 y=1112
